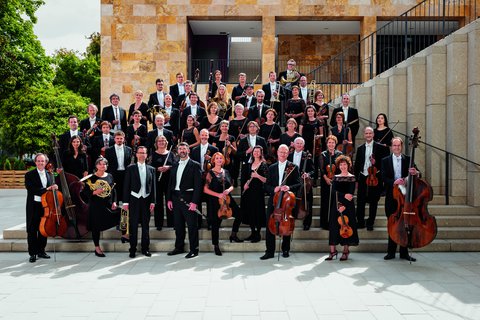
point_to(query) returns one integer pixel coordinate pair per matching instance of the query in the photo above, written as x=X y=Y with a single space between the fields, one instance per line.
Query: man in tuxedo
x=157 y=98
x=159 y=131
x=65 y=138
x=119 y=157
x=139 y=198
x=37 y=182
x=115 y=114
x=194 y=109
x=245 y=146
x=172 y=123
x=257 y=112
x=290 y=74
x=275 y=183
x=238 y=91
x=248 y=100
x=351 y=116
x=178 y=88
x=184 y=192
x=273 y=90
x=185 y=96
x=92 y=120
x=368 y=154
x=394 y=172
x=102 y=142
x=305 y=165
x=303 y=88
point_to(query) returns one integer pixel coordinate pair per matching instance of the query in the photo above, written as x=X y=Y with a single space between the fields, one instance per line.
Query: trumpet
x=311 y=89
x=101 y=184
x=124 y=221
x=274 y=99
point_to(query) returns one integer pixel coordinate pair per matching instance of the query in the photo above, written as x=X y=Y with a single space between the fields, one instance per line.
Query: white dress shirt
x=160 y=96
x=181 y=168
x=297 y=158
x=120 y=157
x=281 y=171
x=397 y=166
x=368 y=154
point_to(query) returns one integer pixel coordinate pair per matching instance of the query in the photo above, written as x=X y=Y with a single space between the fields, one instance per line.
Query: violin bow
x=389 y=130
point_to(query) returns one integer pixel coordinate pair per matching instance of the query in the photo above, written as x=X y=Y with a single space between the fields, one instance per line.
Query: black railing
x=393 y=42
x=229 y=68
x=449 y=156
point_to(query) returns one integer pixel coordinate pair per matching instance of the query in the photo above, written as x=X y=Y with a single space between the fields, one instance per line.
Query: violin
x=372 y=180
x=331 y=168
x=281 y=221
x=227 y=150
x=52 y=223
x=411 y=225
x=346 y=148
x=224 y=212
x=345 y=230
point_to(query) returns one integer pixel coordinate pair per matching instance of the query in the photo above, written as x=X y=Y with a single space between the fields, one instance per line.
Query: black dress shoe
x=408 y=257
x=132 y=255
x=217 y=250
x=32 y=259
x=175 y=252
x=124 y=239
x=267 y=255
x=389 y=257
x=146 y=253
x=361 y=226
x=159 y=228
x=100 y=255
x=191 y=254
x=369 y=228
x=306 y=228
x=43 y=255
x=285 y=254
x=235 y=239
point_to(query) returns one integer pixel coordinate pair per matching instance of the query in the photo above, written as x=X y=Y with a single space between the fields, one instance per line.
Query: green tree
x=22 y=57
x=30 y=115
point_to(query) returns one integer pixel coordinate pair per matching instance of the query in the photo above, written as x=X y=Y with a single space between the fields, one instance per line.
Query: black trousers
x=159 y=214
x=366 y=194
x=139 y=212
x=217 y=222
x=308 y=219
x=36 y=242
x=118 y=178
x=182 y=215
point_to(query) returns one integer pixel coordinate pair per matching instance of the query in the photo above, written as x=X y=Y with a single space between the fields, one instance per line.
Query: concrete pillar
x=457 y=108
x=363 y=103
x=397 y=100
x=436 y=118
x=268 y=46
x=368 y=25
x=380 y=97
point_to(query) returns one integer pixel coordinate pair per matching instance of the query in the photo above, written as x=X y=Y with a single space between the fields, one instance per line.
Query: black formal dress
x=326 y=193
x=75 y=165
x=287 y=140
x=143 y=109
x=352 y=120
x=220 y=144
x=295 y=106
x=309 y=130
x=341 y=134
x=188 y=136
x=342 y=185
x=384 y=136
x=130 y=134
x=158 y=160
x=253 y=199
x=211 y=127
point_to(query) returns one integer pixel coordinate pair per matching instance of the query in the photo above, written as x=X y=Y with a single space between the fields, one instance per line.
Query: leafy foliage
x=30 y=115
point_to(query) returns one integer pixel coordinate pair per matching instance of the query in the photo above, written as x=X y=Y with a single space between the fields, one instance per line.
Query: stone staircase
x=458 y=230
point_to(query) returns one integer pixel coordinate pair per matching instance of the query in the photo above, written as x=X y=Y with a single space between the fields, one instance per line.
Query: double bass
x=411 y=225
x=281 y=221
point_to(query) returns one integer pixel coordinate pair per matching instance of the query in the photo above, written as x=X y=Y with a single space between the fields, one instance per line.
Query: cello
x=411 y=225
x=281 y=221
x=76 y=209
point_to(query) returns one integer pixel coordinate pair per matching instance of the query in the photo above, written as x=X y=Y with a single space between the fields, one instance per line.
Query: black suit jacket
x=174 y=92
x=201 y=113
x=388 y=177
x=153 y=134
x=132 y=183
x=98 y=144
x=191 y=184
x=108 y=115
x=243 y=101
x=352 y=116
x=111 y=156
x=153 y=99
x=34 y=187
x=309 y=168
x=64 y=140
x=195 y=154
x=253 y=112
x=85 y=125
x=243 y=147
x=174 y=122
x=268 y=93
x=379 y=152
x=302 y=97
x=293 y=180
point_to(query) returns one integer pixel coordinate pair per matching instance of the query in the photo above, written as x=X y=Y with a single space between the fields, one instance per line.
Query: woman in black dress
x=136 y=133
x=162 y=160
x=212 y=121
x=253 y=196
x=271 y=132
x=225 y=139
x=295 y=107
x=322 y=115
x=102 y=203
x=140 y=106
x=290 y=134
x=327 y=172
x=309 y=130
x=75 y=159
x=343 y=186
x=238 y=129
x=382 y=133
x=190 y=134
x=341 y=132
x=218 y=186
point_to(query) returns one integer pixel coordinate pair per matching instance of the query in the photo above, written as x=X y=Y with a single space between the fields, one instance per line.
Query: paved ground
x=234 y=286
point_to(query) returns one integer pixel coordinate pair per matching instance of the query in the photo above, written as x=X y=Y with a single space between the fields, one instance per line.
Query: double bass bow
x=411 y=225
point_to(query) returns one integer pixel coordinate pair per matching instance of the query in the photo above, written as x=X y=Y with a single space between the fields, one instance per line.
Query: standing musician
x=92 y=121
x=252 y=201
x=394 y=170
x=160 y=130
x=245 y=146
x=172 y=120
x=215 y=85
x=115 y=114
x=342 y=231
x=136 y=133
x=203 y=154
x=139 y=193
x=102 y=203
x=162 y=161
x=382 y=133
x=238 y=91
x=350 y=116
x=312 y=131
x=37 y=182
x=322 y=110
x=257 y=112
x=248 y=100
x=178 y=88
x=157 y=98
x=218 y=185
x=195 y=110
x=184 y=192
x=212 y=121
x=291 y=76
x=290 y=134
x=368 y=168
x=341 y=131
x=225 y=105
x=295 y=107
x=271 y=132
x=190 y=134
x=74 y=159
x=298 y=157
x=101 y=142
x=274 y=184
x=185 y=97
x=64 y=139
x=238 y=129
x=328 y=170
x=141 y=106
x=118 y=158
x=226 y=144
x=303 y=90
x=274 y=93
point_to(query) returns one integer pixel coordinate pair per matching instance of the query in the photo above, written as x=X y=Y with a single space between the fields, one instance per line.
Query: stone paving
x=234 y=286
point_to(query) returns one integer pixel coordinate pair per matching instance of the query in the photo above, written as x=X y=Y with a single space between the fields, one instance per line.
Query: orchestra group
x=200 y=151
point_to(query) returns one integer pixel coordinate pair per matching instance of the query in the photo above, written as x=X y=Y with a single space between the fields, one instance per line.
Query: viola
x=372 y=180
x=411 y=225
x=331 y=168
x=52 y=223
x=345 y=147
x=281 y=221
x=345 y=230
